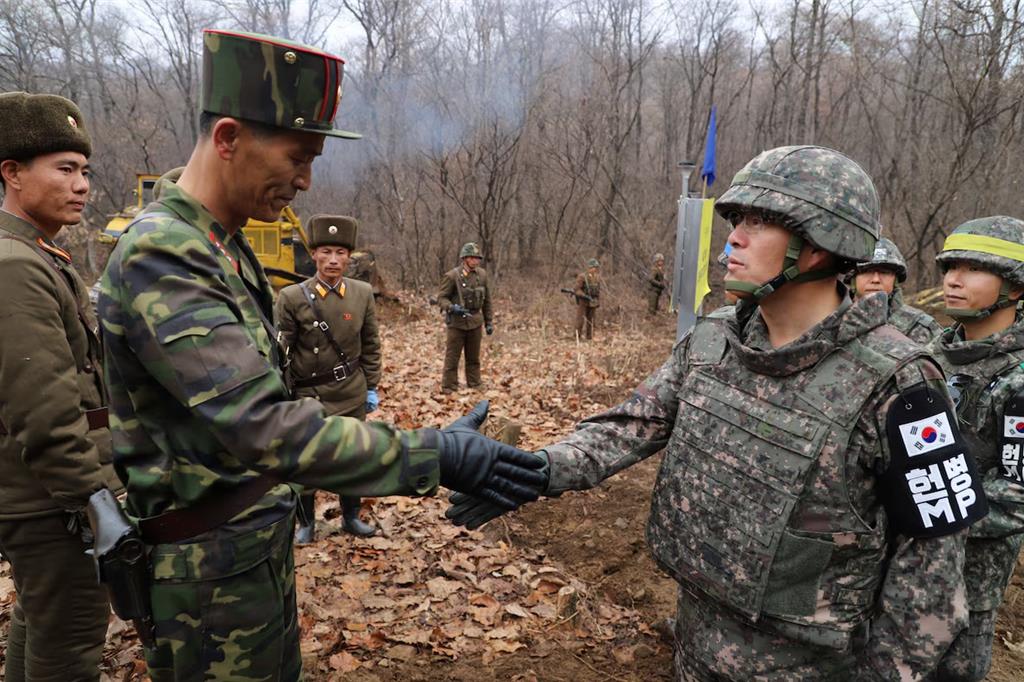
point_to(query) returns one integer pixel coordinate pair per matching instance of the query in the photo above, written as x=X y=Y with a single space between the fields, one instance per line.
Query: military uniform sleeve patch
x=1011 y=464
x=932 y=486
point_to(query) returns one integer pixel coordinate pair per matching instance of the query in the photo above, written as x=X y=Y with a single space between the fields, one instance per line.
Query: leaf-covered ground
x=563 y=590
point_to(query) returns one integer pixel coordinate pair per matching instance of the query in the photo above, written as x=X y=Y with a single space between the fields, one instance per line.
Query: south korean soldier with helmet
x=814 y=495
x=885 y=272
x=983 y=279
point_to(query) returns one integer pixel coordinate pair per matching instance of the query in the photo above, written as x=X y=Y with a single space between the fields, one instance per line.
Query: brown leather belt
x=98 y=418
x=181 y=524
x=339 y=373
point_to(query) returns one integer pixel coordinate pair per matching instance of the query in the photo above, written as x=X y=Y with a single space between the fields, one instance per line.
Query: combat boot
x=350 y=521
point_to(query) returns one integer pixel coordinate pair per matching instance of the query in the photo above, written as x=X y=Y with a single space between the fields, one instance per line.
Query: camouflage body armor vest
x=751 y=507
x=981 y=382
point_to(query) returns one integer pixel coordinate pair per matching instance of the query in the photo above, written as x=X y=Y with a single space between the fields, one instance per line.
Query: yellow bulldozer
x=282 y=246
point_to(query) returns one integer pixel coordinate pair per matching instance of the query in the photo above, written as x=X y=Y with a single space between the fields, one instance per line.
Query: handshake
x=489 y=478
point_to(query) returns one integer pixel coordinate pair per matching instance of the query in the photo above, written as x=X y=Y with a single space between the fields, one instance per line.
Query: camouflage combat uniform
x=917 y=325
x=987 y=381
x=199 y=409
x=766 y=508
x=54 y=441
x=655 y=284
x=471 y=290
x=587 y=284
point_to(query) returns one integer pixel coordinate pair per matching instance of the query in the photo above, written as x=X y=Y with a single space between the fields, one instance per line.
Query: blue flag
x=707 y=171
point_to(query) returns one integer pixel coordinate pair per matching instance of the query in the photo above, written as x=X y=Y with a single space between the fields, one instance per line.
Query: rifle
x=577 y=296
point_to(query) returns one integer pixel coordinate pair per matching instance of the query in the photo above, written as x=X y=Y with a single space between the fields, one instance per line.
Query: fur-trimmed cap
x=333 y=230
x=34 y=125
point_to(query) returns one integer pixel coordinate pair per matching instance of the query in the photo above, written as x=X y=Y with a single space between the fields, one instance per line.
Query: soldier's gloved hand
x=372 y=400
x=475 y=464
x=457 y=309
x=489 y=328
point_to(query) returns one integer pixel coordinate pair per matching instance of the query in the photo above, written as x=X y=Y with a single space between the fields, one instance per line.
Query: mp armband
x=1011 y=464
x=932 y=486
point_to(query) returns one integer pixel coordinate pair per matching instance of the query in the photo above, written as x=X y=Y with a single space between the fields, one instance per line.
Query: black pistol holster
x=122 y=563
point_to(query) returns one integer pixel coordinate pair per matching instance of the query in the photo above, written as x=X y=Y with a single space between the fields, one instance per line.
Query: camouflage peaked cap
x=886 y=254
x=470 y=249
x=820 y=194
x=593 y=263
x=272 y=81
x=995 y=242
x=34 y=125
x=333 y=230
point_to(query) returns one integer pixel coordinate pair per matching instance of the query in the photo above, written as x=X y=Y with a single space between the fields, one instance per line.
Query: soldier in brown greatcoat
x=588 y=298
x=329 y=330
x=55 y=446
x=465 y=298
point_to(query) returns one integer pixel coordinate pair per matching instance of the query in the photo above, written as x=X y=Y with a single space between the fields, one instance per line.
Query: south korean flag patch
x=932 y=486
x=1011 y=446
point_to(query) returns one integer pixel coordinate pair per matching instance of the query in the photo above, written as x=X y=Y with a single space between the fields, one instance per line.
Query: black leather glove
x=489 y=328
x=495 y=472
x=457 y=309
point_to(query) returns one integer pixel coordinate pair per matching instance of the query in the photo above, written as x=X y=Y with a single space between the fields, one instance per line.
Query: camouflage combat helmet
x=271 y=80
x=995 y=243
x=593 y=263
x=819 y=194
x=659 y=258
x=886 y=255
x=470 y=249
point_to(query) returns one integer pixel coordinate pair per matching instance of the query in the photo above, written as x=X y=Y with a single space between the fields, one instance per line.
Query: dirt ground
x=537 y=374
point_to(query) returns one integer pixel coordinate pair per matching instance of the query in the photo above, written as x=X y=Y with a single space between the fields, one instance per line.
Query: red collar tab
x=53 y=250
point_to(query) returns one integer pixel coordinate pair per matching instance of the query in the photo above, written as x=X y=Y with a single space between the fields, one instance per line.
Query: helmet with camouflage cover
x=659 y=258
x=819 y=194
x=273 y=81
x=470 y=249
x=886 y=255
x=593 y=263
x=996 y=243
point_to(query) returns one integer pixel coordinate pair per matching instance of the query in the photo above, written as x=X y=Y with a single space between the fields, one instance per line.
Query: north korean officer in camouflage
x=205 y=433
x=885 y=272
x=588 y=298
x=814 y=494
x=328 y=329
x=982 y=354
x=54 y=441
x=465 y=299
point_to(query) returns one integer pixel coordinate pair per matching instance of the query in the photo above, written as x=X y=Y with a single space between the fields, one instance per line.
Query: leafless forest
x=550 y=130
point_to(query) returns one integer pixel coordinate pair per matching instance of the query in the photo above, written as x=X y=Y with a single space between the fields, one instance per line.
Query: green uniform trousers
x=653 y=298
x=457 y=341
x=585 y=320
x=60 y=617
x=241 y=626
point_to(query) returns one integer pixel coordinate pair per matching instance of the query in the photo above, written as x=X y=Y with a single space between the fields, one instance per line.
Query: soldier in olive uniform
x=328 y=329
x=206 y=435
x=588 y=299
x=465 y=299
x=983 y=356
x=54 y=441
x=885 y=272
x=814 y=494
x=655 y=284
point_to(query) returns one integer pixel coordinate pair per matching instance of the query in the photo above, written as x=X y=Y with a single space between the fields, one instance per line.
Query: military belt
x=181 y=524
x=339 y=373
x=98 y=418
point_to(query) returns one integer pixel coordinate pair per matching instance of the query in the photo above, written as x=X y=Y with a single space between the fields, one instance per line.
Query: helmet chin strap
x=790 y=273
x=970 y=315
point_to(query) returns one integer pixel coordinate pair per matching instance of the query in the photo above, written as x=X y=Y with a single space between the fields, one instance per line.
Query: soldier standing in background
x=983 y=279
x=54 y=440
x=814 y=494
x=885 y=272
x=465 y=298
x=655 y=284
x=328 y=329
x=588 y=298
x=206 y=435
